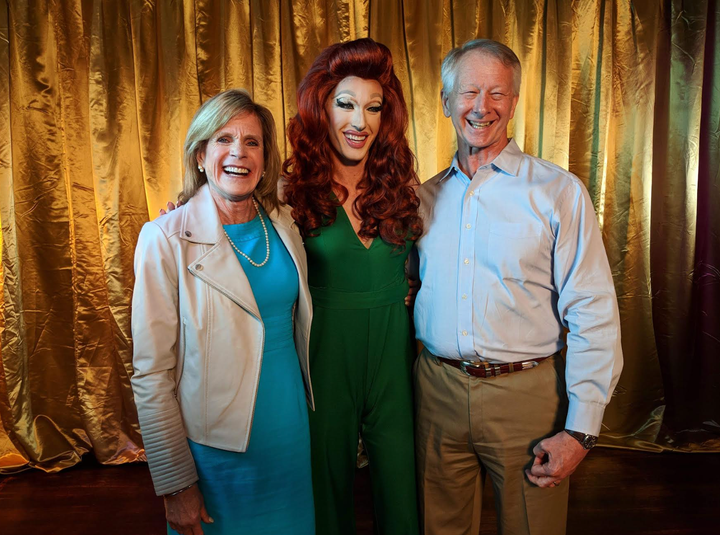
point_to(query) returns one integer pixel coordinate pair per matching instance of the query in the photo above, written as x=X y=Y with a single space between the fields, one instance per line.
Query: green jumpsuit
x=360 y=361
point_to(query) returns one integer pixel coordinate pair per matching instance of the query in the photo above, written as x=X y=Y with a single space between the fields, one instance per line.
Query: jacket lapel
x=218 y=266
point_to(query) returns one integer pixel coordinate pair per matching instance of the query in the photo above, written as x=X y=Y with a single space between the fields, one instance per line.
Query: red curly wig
x=387 y=203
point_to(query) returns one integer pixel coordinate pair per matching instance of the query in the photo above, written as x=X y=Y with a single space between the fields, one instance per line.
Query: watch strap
x=586 y=441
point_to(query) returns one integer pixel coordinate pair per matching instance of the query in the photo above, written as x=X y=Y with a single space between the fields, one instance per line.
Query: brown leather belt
x=480 y=368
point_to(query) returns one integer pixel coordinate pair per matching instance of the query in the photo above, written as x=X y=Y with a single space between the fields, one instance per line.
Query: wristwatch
x=586 y=441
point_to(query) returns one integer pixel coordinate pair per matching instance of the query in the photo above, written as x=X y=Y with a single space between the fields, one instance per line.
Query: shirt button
x=188 y=233
x=464 y=296
x=198 y=267
x=468 y=225
x=464 y=333
x=467 y=261
x=472 y=192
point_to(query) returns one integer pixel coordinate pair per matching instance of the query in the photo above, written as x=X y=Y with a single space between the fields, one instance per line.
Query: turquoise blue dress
x=268 y=489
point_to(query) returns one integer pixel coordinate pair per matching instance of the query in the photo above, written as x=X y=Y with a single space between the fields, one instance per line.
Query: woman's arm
x=155 y=328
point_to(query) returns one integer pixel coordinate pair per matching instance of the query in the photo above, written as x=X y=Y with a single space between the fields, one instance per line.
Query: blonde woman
x=221 y=320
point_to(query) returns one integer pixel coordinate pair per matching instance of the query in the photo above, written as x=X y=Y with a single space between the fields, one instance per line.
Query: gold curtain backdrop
x=96 y=97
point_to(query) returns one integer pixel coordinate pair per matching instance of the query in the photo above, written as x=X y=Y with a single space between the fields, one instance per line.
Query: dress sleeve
x=155 y=330
x=587 y=306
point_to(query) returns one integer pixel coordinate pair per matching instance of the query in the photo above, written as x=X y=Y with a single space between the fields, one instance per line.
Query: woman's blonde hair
x=212 y=116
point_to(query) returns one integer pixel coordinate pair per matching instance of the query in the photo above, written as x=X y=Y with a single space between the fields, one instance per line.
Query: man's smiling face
x=481 y=103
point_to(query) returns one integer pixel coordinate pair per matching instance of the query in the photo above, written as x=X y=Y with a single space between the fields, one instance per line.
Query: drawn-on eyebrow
x=352 y=94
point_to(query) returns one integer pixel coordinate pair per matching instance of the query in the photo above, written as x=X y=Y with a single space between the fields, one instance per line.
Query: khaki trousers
x=467 y=427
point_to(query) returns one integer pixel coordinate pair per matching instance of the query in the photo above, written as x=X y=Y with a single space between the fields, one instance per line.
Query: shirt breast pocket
x=520 y=251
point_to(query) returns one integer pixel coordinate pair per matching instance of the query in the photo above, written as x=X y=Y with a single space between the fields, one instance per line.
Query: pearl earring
x=201 y=168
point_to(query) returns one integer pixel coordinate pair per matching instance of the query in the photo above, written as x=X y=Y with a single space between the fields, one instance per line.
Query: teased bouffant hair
x=211 y=117
x=387 y=203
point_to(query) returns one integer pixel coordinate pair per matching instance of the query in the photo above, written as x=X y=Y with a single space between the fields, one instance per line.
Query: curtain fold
x=96 y=97
x=706 y=276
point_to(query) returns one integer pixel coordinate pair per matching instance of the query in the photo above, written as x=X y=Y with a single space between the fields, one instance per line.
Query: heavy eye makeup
x=349 y=105
x=344 y=104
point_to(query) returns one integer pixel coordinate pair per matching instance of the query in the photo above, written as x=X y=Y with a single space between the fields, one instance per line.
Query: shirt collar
x=508 y=161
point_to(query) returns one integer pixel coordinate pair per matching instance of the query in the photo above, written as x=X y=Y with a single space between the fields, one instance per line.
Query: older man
x=512 y=255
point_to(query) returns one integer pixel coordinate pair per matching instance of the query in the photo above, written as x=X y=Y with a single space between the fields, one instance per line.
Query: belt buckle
x=465 y=363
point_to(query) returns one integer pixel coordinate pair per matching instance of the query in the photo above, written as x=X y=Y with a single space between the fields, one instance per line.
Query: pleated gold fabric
x=96 y=97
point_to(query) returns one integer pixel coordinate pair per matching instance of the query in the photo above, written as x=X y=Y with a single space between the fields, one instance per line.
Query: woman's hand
x=170 y=207
x=412 y=292
x=184 y=512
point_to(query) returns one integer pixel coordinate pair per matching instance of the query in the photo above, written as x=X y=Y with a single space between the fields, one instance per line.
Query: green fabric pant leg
x=387 y=426
x=361 y=369
x=337 y=372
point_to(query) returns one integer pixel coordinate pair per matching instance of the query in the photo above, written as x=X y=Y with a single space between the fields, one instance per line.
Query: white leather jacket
x=198 y=337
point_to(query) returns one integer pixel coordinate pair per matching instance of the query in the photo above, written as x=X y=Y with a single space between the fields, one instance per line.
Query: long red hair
x=387 y=203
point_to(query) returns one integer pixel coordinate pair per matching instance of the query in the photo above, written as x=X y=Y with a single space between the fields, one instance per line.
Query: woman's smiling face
x=234 y=158
x=354 y=110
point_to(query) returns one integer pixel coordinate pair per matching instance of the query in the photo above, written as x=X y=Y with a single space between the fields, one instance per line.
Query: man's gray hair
x=487 y=46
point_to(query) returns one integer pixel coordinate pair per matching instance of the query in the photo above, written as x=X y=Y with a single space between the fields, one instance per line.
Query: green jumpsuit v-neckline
x=360 y=360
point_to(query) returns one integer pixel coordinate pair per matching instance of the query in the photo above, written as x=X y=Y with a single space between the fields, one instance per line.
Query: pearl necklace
x=267 y=240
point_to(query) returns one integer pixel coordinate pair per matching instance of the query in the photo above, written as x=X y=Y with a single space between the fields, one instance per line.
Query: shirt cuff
x=584 y=417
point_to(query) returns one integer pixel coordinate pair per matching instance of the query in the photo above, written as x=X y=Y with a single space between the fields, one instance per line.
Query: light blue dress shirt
x=508 y=260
